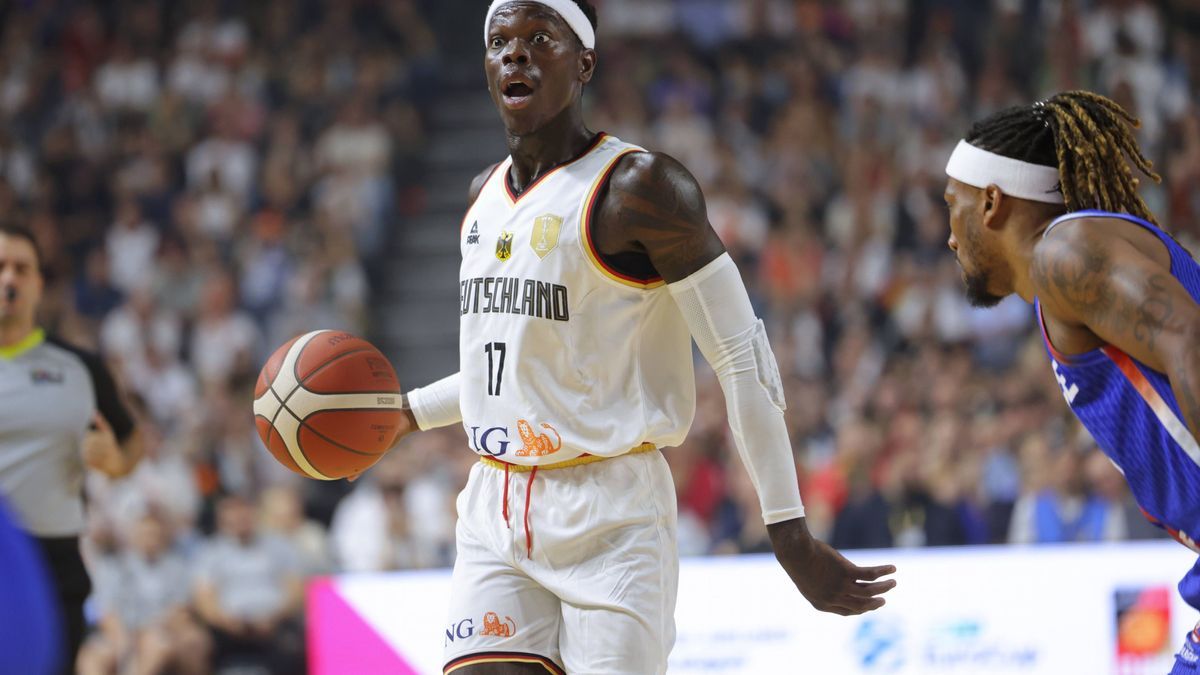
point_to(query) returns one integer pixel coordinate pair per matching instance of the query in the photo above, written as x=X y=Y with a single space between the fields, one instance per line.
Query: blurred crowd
x=209 y=179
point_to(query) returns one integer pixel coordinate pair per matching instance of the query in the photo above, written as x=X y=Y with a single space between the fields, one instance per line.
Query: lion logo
x=537 y=445
x=492 y=626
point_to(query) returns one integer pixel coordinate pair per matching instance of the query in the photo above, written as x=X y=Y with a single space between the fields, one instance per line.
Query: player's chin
x=977 y=292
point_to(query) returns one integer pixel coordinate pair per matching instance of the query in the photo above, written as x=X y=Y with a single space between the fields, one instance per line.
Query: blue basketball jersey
x=1131 y=411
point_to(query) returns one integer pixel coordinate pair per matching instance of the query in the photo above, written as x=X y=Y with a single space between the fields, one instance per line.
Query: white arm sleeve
x=437 y=404
x=717 y=309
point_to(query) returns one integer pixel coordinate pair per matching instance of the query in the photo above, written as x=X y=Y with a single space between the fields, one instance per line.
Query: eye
x=497 y=42
x=541 y=39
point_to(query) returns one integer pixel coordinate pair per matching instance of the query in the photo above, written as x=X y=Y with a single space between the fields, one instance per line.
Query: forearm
x=717 y=308
x=435 y=405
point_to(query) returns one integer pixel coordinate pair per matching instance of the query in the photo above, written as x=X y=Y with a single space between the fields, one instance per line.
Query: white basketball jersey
x=561 y=356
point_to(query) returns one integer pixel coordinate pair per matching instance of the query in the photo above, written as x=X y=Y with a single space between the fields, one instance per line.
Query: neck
x=1027 y=234
x=14 y=330
x=560 y=140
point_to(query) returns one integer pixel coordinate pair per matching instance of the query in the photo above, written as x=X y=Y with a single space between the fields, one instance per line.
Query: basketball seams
x=314 y=473
x=329 y=362
x=305 y=425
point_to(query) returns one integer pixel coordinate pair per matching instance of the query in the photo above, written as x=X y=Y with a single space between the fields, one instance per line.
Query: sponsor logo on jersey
x=492 y=441
x=42 y=376
x=511 y=295
x=504 y=246
x=473 y=235
x=545 y=234
x=537 y=445
x=492 y=625
x=460 y=630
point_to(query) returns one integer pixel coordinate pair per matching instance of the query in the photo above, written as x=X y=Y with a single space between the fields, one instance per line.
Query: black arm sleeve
x=108 y=398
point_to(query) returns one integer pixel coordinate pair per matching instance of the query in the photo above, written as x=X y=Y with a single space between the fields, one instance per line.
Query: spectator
x=142 y=598
x=1065 y=511
x=248 y=590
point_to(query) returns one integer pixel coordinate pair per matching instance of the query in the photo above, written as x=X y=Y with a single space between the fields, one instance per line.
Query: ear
x=995 y=205
x=587 y=65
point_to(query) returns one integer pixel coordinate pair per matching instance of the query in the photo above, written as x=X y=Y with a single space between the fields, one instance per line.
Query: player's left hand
x=825 y=578
x=101 y=451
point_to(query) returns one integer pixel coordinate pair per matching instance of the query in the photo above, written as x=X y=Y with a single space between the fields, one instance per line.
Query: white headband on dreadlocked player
x=568 y=10
x=979 y=168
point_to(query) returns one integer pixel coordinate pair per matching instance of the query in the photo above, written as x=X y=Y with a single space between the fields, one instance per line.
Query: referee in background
x=59 y=411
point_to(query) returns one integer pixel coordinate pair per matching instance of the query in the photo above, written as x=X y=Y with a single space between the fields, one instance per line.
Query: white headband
x=979 y=168
x=568 y=10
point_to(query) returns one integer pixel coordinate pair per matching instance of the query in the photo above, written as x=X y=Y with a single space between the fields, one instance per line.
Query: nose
x=952 y=243
x=515 y=52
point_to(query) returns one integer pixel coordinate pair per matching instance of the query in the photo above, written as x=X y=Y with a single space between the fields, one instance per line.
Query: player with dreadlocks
x=1043 y=203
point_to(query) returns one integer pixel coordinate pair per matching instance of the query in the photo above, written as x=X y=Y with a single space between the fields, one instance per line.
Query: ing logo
x=537 y=445
x=496 y=628
x=504 y=246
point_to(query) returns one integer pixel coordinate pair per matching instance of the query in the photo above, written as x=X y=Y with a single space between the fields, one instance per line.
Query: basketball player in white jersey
x=588 y=266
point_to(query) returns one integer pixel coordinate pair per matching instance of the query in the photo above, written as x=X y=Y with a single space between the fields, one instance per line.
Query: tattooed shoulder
x=1070 y=271
x=658 y=206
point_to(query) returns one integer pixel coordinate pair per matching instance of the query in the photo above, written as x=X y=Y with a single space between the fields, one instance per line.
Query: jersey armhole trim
x=585 y=231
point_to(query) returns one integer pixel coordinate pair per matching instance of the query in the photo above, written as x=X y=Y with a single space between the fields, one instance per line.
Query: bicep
x=659 y=206
x=1121 y=295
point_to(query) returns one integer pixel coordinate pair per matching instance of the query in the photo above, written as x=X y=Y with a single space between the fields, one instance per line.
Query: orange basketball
x=327 y=404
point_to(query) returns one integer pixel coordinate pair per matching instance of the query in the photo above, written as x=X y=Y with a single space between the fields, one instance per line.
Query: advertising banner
x=1061 y=610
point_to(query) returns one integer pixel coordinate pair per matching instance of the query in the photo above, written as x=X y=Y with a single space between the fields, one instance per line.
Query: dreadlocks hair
x=1088 y=137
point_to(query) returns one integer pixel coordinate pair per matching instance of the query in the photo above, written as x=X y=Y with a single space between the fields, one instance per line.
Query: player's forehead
x=514 y=14
x=958 y=189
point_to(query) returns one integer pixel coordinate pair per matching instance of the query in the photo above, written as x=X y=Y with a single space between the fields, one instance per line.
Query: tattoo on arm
x=1113 y=302
x=1154 y=312
x=659 y=205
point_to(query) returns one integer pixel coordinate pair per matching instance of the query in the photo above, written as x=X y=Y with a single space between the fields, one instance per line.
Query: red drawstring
x=528 y=533
x=504 y=510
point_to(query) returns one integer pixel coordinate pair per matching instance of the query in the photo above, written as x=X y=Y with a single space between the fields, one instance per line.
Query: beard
x=977 y=291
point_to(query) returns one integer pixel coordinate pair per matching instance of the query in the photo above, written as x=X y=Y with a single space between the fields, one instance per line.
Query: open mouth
x=516 y=91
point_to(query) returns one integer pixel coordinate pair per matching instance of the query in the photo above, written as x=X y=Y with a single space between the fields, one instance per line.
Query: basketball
x=327 y=404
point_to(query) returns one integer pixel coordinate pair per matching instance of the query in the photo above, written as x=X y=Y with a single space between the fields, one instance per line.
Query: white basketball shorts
x=588 y=587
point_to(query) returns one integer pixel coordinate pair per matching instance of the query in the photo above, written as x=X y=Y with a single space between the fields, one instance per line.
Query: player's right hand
x=823 y=576
x=408 y=424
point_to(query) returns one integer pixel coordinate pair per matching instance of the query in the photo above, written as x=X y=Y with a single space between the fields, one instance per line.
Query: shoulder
x=90 y=360
x=651 y=172
x=478 y=181
x=1074 y=252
